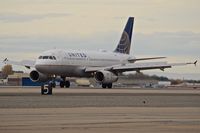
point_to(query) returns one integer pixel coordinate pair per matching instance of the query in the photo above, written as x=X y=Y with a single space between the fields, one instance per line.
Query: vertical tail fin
x=125 y=41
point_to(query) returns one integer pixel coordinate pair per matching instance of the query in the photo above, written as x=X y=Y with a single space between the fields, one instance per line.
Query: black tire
x=109 y=85
x=104 y=85
x=53 y=84
x=62 y=84
x=50 y=90
x=67 y=84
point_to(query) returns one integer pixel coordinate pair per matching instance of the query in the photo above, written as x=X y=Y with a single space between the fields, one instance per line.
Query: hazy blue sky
x=162 y=28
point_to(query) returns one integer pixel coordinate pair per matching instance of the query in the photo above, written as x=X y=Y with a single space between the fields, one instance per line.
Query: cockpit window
x=47 y=57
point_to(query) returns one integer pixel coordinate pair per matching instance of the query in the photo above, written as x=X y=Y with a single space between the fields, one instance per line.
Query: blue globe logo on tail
x=125 y=40
x=124 y=44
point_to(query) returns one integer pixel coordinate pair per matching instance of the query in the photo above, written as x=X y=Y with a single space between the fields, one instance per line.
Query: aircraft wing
x=137 y=66
x=27 y=63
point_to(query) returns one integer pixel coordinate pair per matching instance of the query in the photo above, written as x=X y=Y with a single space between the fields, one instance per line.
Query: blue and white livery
x=104 y=66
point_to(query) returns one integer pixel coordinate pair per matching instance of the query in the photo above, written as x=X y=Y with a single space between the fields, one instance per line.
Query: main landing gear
x=64 y=84
x=107 y=85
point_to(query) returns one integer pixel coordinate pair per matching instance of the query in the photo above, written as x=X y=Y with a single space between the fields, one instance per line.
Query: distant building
x=164 y=83
x=3 y=81
x=136 y=82
x=21 y=79
x=15 y=79
x=26 y=81
x=2 y=75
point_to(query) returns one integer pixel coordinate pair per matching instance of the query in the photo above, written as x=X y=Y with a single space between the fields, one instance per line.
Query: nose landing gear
x=108 y=85
x=64 y=83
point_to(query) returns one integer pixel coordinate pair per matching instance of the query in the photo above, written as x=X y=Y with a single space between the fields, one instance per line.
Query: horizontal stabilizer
x=27 y=63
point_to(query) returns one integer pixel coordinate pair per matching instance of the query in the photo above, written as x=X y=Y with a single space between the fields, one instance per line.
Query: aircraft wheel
x=109 y=85
x=50 y=89
x=53 y=85
x=103 y=85
x=62 y=84
x=67 y=84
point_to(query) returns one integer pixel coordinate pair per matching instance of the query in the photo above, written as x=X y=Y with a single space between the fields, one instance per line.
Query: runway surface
x=68 y=98
x=100 y=110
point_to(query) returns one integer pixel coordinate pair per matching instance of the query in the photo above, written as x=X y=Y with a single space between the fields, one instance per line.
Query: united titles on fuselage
x=77 y=55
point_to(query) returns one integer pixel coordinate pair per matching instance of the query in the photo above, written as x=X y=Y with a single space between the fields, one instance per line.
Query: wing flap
x=142 y=66
x=141 y=59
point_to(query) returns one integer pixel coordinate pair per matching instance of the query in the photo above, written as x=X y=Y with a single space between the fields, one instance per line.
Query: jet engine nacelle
x=105 y=77
x=36 y=76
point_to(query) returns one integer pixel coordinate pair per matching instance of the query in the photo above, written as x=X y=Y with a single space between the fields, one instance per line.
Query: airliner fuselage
x=73 y=62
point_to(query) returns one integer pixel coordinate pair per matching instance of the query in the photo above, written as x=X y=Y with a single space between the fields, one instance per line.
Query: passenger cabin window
x=50 y=57
x=54 y=57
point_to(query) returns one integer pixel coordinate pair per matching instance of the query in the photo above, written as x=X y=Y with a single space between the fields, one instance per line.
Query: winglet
x=195 y=63
x=5 y=60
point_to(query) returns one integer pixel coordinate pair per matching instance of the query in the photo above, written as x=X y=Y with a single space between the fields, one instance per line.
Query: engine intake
x=105 y=77
x=36 y=76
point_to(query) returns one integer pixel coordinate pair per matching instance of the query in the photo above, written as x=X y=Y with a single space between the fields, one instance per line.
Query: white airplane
x=104 y=66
